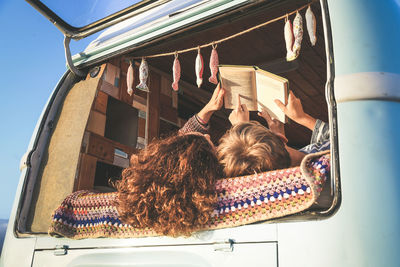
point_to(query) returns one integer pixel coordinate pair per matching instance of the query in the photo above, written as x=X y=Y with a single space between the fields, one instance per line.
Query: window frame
x=81 y=32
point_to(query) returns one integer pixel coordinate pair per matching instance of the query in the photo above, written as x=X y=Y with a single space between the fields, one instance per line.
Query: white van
x=91 y=125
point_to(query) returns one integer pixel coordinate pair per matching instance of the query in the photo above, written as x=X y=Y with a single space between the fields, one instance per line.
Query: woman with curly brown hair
x=170 y=186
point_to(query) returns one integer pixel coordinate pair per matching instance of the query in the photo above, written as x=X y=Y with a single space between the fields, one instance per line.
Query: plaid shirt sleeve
x=194 y=125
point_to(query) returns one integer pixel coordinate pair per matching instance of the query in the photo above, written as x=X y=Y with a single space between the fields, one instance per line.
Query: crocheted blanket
x=241 y=200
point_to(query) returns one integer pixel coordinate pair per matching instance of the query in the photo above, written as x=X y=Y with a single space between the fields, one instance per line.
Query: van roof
x=151 y=25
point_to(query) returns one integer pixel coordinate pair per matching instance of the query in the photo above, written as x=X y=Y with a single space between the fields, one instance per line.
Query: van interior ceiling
x=265 y=48
x=109 y=125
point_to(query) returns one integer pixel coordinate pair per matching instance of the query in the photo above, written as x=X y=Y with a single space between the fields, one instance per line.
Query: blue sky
x=32 y=62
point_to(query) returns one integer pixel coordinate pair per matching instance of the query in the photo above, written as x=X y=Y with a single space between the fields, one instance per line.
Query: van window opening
x=111 y=136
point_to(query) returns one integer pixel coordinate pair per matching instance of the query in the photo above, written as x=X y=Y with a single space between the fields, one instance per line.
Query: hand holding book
x=294 y=110
x=257 y=89
x=273 y=124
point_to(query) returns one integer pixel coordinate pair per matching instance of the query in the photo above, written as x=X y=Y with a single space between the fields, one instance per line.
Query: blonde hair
x=249 y=147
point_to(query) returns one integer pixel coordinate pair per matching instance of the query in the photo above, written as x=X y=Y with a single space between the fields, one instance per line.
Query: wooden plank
x=142 y=127
x=87 y=172
x=100 y=104
x=307 y=101
x=101 y=148
x=311 y=76
x=121 y=162
x=175 y=99
x=166 y=86
x=109 y=89
x=169 y=113
x=165 y=101
x=303 y=83
x=127 y=149
x=153 y=108
x=315 y=63
x=96 y=123
x=111 y=75
x=167 y=128
x=139 y=103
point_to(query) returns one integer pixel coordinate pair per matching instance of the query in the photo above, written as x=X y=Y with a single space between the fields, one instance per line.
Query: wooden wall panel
x=254 y=48
x=169 y=113
x=100 y=104
x=96 y=123
x=165 y=101
x=112 y=75
x=101 y=148
x=87 y=171
x=153 y=108
x=142 y=127
x=166 y=86
x=109 y=89
x=139 y=103
x=175 y=99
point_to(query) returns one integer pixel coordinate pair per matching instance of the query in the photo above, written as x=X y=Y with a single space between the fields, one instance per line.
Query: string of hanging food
x=293 y=33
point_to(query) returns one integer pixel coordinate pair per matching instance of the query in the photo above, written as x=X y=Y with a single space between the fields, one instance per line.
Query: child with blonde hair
x=249 y=147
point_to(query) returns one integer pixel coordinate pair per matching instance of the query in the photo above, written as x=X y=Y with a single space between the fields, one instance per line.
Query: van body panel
x=242 y=234
x=365 y=229
x=369 y=145
x=372 y=43
x=181 y=256
x=17 y=251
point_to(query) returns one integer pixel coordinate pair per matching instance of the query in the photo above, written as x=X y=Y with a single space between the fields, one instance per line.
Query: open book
x=257 y=89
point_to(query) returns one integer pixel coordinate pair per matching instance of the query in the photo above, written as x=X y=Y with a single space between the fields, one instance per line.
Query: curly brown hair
x=170 y=186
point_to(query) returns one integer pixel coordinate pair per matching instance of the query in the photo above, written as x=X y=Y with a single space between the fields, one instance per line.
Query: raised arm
x=199 y=122
x=320 y=136
x=215 y=103
x=294 y=110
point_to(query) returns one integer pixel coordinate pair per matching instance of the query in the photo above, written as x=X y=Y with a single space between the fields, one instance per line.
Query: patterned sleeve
x=319 y=139
x=320 y=133
x=194 y=125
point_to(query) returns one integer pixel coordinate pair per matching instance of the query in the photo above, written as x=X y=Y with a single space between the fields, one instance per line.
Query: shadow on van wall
x=3 y=229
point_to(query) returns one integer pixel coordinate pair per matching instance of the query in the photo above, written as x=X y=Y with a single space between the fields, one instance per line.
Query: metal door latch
x=224 y=245
x=61 y=250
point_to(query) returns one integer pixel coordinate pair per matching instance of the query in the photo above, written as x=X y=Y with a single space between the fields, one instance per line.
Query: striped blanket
x=241 y=200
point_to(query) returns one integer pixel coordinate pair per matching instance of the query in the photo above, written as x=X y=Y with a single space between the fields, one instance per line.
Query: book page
x=239 y=80
x=269 y=88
